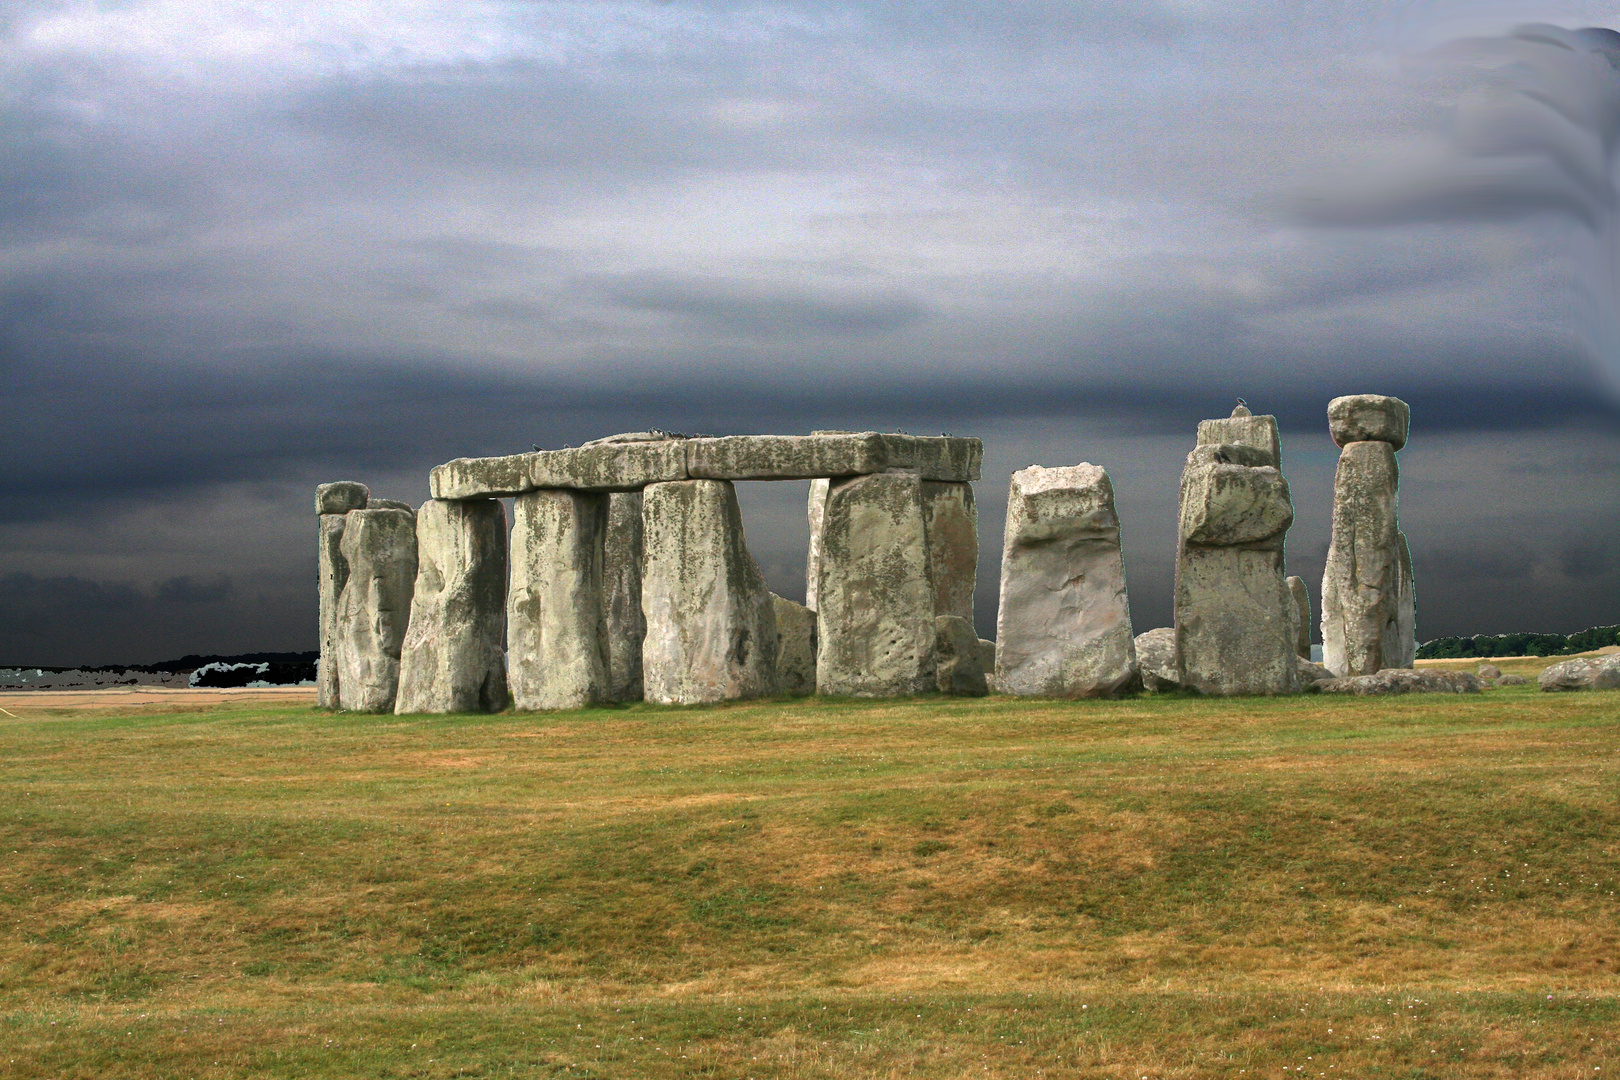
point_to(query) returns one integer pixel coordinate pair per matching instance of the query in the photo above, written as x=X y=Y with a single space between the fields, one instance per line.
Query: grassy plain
x=1422 y=886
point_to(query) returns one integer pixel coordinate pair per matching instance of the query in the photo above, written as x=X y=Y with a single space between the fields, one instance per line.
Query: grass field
x=1423 y=886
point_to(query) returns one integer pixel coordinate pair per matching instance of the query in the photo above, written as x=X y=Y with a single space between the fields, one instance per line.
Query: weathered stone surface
x=812 y=563
x=875 y=603
x=374 y=609
x=951 y=521
x=1302 y=615
x=390 y=504
x=795 y=647
x=621 y=596
x=1064 y=625
x=334 y=574
x=1312 y=672
x=1404 y=681
x=557 y=656
x=1582 y=673
x=651 y=435
x=1156 y=659
x=1368 y=418
x=957 y=651
x=1488 y=671
x=1225 y=505
x=987 y=657
x=1229 y=454
x=623 y=463
x=1246 y=429
x=341 y=497
x=452 y=659
x=1367 y=590
x=1236 y=631
x=711 y=622
x=1512 y=679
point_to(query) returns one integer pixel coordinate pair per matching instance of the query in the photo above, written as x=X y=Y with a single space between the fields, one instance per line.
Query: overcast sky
x=250 y=247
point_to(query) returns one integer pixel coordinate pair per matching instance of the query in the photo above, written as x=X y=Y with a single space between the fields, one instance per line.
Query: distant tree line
x=1448 y=648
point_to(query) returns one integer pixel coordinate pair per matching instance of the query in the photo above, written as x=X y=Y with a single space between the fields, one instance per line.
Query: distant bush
x=261 y=674
x=1482 y=645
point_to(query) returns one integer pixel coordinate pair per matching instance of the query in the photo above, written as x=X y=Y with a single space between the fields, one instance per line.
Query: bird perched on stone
x=1242 y=409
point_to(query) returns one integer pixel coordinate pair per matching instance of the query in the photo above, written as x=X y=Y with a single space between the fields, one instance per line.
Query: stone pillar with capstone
x=1235 y=626
x=557 y=655
x=332 y=504
x=711 y=624
x=452 y=659
x=374 y=609
x=1064 y=624
x=1368 y=593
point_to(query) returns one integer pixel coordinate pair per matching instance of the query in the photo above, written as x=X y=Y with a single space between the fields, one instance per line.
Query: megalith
x=557 y=656
x=621 y=596
x=711 y=625
x=795 y=647
x=332 y=503
x=951 y=523
x=1064 y=625
x=876 y=596
x=453 y=656
x=1235 y=627
x=374 y=610
x=812 y=564
x=1368 y=595
x=959 y=668
x=1302 y=615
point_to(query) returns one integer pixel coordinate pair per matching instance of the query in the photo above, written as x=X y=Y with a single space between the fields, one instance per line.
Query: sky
x=246 y=248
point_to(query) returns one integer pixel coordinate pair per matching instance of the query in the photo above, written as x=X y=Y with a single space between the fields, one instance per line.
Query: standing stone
x=876 y=599
x=621 y=585
x=711 y=625
x=452 y=659
x=959 y=669
x=795 y=647
x=1302 y=615
x=332 y=503
x=1235 y=627
x=812 y=565
x=557 y=656
x=1064 y=626
x=374 y=610
x=951 y=522
x=1368 y=602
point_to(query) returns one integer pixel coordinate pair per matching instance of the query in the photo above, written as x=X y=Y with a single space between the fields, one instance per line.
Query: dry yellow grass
x=1411 y=887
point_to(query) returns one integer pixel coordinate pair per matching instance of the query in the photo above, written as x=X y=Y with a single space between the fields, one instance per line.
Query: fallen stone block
x=1369 y=418
x=621 y=590
x=452 y=660
x=1404 y=681
x=557 y=654
x=957 y=658
x=1064 y=624
x=1156 y=660
x=1488 y=671
x=1582 y=673
x=795 y=647
x=711 y=622
x=374 y=609
x=875 y=604
x=1511 y=679
x=1312 y=672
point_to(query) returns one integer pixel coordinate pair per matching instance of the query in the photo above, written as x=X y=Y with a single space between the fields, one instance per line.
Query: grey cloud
x=741 y=307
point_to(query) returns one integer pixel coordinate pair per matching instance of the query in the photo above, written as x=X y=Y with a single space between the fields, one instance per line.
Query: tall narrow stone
x=452 y=659
x=795 y=647
x=951 y=521
x=621 y=585
x=711 y=624
x=876 y=598
x=1368 y=596
x=1235 y=626
x=332 y=504
x=1302 y=615
x=374 y=609
x=1064 y=625
x=812 y=564
x=557 y=655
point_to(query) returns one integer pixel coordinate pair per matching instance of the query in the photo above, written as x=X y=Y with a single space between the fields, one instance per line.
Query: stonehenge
x=1064 y=625
x=1235 y=620
x=624 y=575
x=1368 y=600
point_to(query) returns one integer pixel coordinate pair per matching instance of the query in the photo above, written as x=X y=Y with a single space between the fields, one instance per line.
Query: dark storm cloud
x=244 y=249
